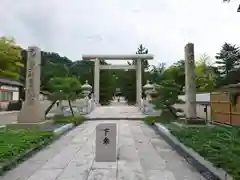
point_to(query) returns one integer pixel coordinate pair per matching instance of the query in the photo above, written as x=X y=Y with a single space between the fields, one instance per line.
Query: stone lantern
x=148 y=90
x=86 y=89
x=84 y=103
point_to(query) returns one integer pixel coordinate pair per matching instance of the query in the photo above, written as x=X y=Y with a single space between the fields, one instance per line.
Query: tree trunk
x=172 y=111
x=181 y=88
x=70 y=105
x=50 y=107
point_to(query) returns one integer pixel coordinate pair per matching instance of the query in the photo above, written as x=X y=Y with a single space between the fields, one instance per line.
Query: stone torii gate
x=98 y=67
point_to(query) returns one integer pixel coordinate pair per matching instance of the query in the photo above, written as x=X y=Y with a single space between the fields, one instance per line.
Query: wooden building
x=225 y=105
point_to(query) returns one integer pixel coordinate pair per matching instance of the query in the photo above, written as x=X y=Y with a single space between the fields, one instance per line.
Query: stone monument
x=190 y=85
x=32 y=114
x=106 y=142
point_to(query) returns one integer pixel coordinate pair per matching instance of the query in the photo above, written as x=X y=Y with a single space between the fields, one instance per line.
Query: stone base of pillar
x=98 y=104
x=195 y=121
x=32 y=116
x=31 y=113
x=43 y=124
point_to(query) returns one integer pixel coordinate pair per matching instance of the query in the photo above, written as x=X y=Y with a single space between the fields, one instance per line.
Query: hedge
x=14 y=143
x=76 y=120
x=218 y=144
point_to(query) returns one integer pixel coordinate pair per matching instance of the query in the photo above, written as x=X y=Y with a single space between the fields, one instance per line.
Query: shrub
x=220 y=145
x=76 y=120
x=165 y=118
x=14 y=143
x=150 y=120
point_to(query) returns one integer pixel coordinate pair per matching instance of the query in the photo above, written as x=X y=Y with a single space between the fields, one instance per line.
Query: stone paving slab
x=142 y=155
x=115 y=113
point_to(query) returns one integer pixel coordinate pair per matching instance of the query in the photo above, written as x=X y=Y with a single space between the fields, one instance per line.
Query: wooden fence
x=222 y=110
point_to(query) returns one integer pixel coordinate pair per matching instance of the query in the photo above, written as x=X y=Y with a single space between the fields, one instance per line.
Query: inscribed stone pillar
x=190 y=82
x=96 y=80
x=32 y=112
x=139 y=81
x=106 y=142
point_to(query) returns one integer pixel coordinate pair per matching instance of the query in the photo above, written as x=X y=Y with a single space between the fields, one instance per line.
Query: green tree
x=129 y=78
x=107 y=89
x=176 y=73
x=10 y=58
x=145 y=65
x=228 y=59
x=142 y=50
x=205 y=76
x=53 y=65
x=84 y=70
x=232 y=78
x=129 y=87
x=119 y=80
x=65 y=88
x=168 y=91
x=156 y=74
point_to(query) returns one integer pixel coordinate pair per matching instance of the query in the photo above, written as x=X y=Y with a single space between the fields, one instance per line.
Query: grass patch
x=76 y=120
x=166 y=118
x=14 y=143
x=219 y=145
x=18 y=144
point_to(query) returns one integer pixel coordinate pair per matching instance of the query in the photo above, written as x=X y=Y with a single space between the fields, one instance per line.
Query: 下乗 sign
x=106 y=142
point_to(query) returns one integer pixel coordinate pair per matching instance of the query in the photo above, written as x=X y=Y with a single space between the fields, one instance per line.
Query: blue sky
x=77 y=27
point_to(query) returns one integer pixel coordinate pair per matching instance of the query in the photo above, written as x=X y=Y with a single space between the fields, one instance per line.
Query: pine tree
x=129 y=90
x=228 y=59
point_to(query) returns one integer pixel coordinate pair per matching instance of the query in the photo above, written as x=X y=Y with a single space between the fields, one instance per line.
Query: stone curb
x=57 y=134
x=204 y=167
x=63 y=129
x=8 y=112
x=114 y=118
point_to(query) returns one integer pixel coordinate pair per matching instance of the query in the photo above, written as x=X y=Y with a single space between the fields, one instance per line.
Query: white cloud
x=75 y=27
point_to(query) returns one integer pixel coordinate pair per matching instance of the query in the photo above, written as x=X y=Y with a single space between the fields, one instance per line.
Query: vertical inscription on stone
x=106 y=142
x=31 y=67
x=106 y=139
x=29 y=90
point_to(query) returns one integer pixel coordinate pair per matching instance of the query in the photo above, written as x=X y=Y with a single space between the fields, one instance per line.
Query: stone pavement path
x=117 y=111
x=143 y=155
